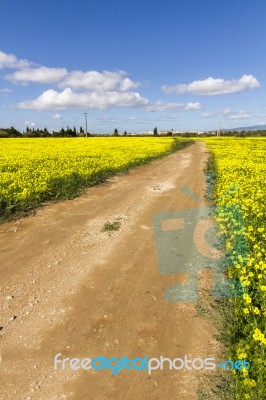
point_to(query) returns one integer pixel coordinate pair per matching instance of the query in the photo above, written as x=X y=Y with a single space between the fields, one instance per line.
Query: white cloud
x=6 y=91
x=57 y=116
x=82 y=90
x=228 y=113
x=11 y=61
x=231 y=114
x=51 y=99
x=30 y=124
x=106 y=120
x=209 y=114
x=38 y=75
x=77 y=80
x=213 y=87
x=161 y=106
x=193 y=106
x=127 y=84
x=94 y=80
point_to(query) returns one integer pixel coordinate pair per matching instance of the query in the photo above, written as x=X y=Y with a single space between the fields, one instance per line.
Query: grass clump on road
x=111 y=226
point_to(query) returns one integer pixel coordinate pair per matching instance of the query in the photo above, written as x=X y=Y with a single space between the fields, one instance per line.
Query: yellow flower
x=241 y=355
x=258 y=335
x=247 y=298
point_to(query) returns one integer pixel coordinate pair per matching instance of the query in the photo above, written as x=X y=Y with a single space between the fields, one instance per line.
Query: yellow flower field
x=34 y=170
x=241 y=180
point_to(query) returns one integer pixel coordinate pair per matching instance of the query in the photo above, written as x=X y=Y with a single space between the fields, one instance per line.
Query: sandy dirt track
x=68 y=287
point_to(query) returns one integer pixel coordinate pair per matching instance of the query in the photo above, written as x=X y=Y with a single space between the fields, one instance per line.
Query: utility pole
x=86 y=130
x=219 y=130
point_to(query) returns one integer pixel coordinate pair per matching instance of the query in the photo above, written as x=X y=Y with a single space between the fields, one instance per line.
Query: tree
x=32 y=134
x=46 y=132
x=125 y=133
x=155 y=131
x=3 y=134
x=81 y=130
x=116 y=132
x=12 y=132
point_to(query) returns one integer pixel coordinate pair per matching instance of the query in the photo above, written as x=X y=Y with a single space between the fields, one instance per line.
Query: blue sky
x=132 y=65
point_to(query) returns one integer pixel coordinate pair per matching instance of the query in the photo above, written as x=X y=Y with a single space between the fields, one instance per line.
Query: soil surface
x=69 y=287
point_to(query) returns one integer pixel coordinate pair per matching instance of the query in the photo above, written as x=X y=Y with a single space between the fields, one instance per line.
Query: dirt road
x=68 y=287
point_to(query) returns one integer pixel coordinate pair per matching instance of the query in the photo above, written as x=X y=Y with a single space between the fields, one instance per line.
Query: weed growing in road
x=111 y=226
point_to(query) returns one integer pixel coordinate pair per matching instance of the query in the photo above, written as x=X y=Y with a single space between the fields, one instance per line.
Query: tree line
x=32 y=132
x=72 y=132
